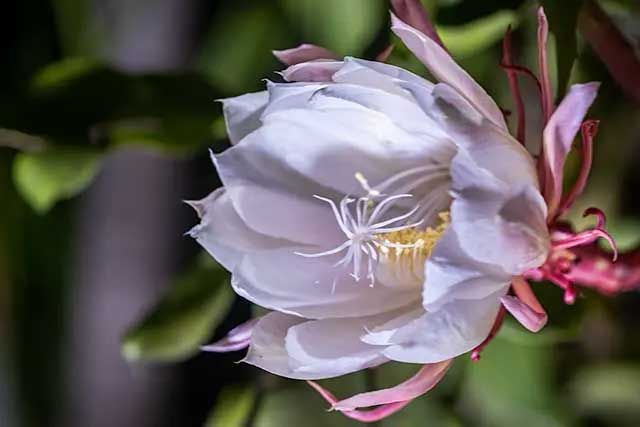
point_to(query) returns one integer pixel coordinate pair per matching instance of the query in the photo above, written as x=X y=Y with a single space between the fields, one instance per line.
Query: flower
x=382 y=217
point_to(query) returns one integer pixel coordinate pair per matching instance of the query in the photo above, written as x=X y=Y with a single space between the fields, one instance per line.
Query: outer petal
x=445 y=69
x=348 y=136
x=312 y=71
x=454 y=329
x=453 y=275
x=272 y=199
x=559 y=134
x=427 y=377
x=283 y=281
x=292 y=347
x=242 y=114
x=303 y=53
x=223 y=233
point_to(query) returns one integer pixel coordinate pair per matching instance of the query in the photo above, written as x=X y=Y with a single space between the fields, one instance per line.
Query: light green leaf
x=346 y=27
x=233 y=407
x=476 y=36
x=184 y=319
x=62 y=72
x=47 y=177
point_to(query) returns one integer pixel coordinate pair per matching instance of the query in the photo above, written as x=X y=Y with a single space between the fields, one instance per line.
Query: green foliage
x=184 y=319
x=609 y=391
x=562 y=17
x=346 y=27
x=21 y=141
x=234 y=407
x=46 y=177
x=236 y=54
x=476 y=36
x=512 y=383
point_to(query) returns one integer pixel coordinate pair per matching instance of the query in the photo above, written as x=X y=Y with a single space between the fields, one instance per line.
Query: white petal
x=283 y=281
x=242 y=114
x=511 y=234
x=333 y=139
x=453 y=275
x=223 y=233
x=271 y=198
x=445 y=69
x=292 y=347
x=454 y=329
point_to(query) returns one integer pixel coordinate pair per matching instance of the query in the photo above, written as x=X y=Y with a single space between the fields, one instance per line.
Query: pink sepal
x=413 y=13
x=368 y=416
x=524 y=314
x=303 y=53
x=236 y=339
x=312 y=71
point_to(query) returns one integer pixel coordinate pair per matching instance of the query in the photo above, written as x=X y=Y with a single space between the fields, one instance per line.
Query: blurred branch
x=612 y=48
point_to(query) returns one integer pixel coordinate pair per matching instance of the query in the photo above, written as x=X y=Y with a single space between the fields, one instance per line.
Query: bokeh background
x=107 y=112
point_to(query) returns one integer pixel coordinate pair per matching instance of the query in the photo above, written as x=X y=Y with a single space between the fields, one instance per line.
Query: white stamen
x=362 y=233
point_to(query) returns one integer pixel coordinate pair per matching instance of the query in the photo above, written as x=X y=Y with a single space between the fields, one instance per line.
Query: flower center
x=402 y=253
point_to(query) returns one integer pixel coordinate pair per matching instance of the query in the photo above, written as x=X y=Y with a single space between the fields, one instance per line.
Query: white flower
x=378 y=215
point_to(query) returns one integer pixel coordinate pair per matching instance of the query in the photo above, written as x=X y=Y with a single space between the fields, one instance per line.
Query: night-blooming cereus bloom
x=379 y=216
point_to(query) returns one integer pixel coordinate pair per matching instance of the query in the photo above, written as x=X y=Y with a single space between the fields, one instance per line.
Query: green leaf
x=563 y=18
x=298 y=405
x=610 y=391
x=64 y=72
x=346 y=27
x=21 y=141
x=184 y=319
x=237 y=52
x=234 y=407
x=512 y=383
x=476 y=36
x=47 y=177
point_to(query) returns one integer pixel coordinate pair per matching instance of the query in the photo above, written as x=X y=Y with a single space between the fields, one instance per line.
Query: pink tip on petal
x=368 y=416
x=423 y=381
x=413 y=13
x=543 y=65
x=238 y=338
x=304 y=53
x=526 y=315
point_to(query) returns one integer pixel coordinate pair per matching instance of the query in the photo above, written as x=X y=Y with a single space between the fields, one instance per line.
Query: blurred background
x=107 y=112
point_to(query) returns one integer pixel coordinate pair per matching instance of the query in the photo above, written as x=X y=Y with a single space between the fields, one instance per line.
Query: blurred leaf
x=423 y=408
x=563 y=19
x=476 y=36
x=233 y=407
x=237 y=52
x=512 y=383
x=47 y=177
x=76 y=30
x=64 y=72
x=184 y=319
x=298 y=405
x=611 y=391
x=21 y=141
x=346 y=27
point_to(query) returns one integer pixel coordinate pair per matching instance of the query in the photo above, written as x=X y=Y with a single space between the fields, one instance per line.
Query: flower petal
x=237 y=339
x=454 y=329
x=312 y=71
x=283 y=281
x=242 y=114
x=223 y=233
x=424 y=380
x=445 y=69
x=526 y=315
x=294 y=348
x=303 y=53
x=558 y=137
x=413 y=13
